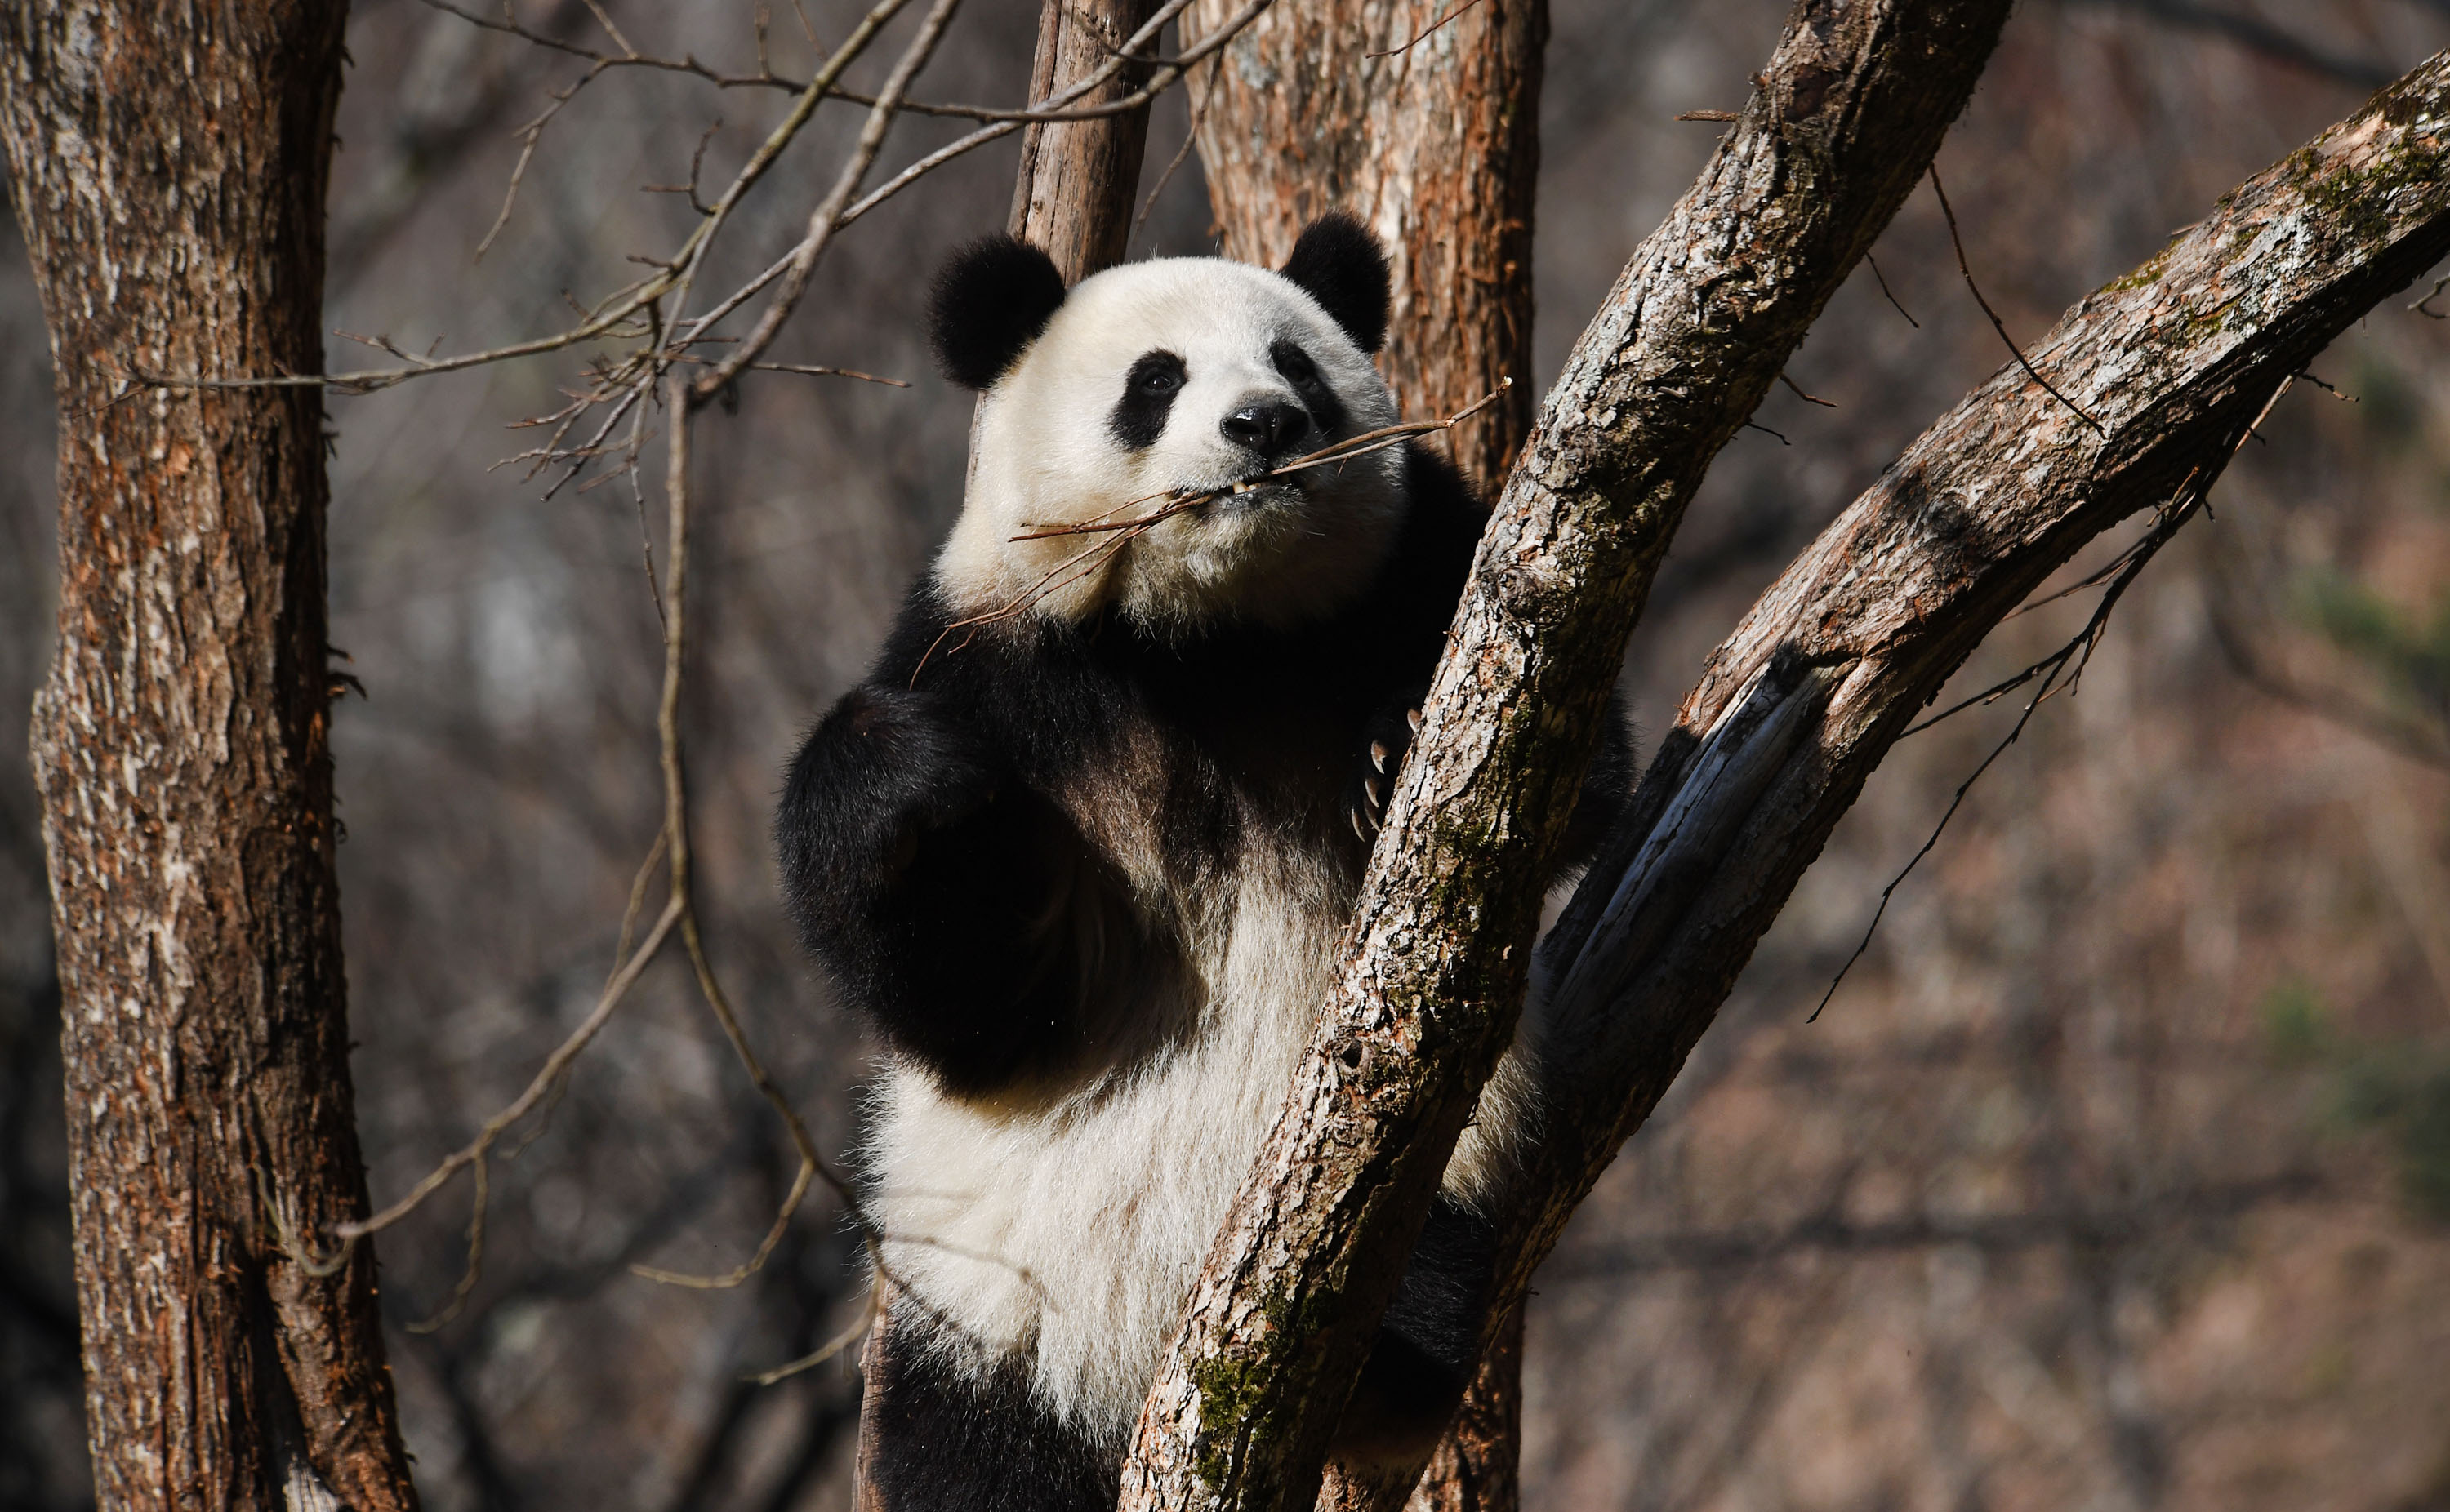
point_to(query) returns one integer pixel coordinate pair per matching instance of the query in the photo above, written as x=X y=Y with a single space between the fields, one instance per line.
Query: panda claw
x=1358 y=833
x=1378 y=794
x=1378 y=754
x=1413 y=717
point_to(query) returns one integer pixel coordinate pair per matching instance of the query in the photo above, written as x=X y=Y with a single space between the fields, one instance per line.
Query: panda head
x=1157 y=382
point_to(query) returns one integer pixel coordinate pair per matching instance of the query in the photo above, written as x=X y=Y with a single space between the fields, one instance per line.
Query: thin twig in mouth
x=1122 y=532
x=1351 y=446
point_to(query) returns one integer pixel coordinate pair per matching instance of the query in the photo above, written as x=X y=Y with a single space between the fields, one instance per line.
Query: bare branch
x=676 y=837
x=537 y=1086
x=2178 y=359
x=1997 y=324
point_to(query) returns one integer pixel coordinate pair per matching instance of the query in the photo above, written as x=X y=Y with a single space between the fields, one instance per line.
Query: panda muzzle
x=1273 y=430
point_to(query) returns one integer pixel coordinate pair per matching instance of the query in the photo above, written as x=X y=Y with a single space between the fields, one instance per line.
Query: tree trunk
x=1841 y=125
x=1077 y=179
x=169 y=173
x=1320 y=107
x=2154 y=380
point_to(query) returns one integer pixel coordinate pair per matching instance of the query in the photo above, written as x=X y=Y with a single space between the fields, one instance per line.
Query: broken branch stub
x=1846 y=116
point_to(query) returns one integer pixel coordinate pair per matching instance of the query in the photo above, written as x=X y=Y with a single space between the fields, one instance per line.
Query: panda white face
x=1157 y=382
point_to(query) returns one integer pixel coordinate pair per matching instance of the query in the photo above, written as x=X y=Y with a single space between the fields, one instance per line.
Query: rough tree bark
x=1074 y=193
x=2168 y=367
x=1843 y=121
x=1321 y=106
x=1437 y=146
x=168 y=172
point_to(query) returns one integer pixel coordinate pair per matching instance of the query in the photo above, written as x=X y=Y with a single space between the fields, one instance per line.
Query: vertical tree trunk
x=168 y=171
x=1437 y=148
x=1078 y=178
x=1321 y=106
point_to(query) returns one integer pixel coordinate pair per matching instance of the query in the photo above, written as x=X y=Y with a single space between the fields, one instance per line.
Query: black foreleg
x=934 y=885
x=946 y=1440
x=1425 y=1348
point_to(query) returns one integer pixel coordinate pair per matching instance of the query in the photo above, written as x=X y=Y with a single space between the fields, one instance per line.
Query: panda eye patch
x=1293 y=363
x=1157 y=373
x=1326 y=410
x=1139 y=415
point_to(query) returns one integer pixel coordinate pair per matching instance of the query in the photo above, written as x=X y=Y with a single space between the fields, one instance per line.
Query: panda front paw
x=1387 y=741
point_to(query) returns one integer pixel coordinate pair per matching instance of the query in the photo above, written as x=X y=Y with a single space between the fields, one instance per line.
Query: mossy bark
x=1437 y=146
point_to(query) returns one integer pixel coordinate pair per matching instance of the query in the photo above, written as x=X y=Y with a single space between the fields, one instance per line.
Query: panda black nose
x=1272 y=430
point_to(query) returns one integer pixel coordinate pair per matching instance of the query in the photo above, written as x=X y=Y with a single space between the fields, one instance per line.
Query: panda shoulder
x=1440 y=503
x=1443 y=518
x=1012 y=682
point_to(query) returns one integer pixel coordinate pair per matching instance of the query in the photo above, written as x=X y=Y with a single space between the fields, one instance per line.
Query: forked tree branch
x=2177 y=361
x=1848 y=113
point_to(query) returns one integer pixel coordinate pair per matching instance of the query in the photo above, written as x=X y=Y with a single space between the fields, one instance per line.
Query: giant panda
x=1082 y=844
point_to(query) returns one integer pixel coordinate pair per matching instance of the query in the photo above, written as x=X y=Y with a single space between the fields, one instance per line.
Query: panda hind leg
x=1427 y=1346
x=945 y=1439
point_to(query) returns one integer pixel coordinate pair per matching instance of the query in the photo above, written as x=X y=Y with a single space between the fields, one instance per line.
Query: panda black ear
x=991 y=301
x=1342 y=266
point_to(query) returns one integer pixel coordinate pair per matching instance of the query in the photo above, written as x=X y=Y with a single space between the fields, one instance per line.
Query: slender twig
x=1189 y=140
x=867 y=1314
x=2423 y=307
x=458 y=1299
x=1808 y=398
x=767 y=79
x=1873 y=264
x=1164 y=77
x=529 y=135
x=555 y=1065
x=1996 y=323
x=2189 y=500
x=1425 y=33
x=828 y=218
x=829 y=372
x=677 y=835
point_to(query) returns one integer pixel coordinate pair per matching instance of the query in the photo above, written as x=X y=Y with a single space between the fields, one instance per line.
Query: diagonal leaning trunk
x=1437 y=146
x=168 y=172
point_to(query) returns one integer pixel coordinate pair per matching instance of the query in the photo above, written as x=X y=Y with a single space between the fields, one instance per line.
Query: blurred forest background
x=2116 y=1175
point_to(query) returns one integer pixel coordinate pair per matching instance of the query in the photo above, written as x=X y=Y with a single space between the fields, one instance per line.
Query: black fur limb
x=950 y=1441
x=922 y=873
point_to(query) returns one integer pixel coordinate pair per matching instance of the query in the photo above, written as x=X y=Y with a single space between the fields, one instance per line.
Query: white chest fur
x=1069 y=1229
